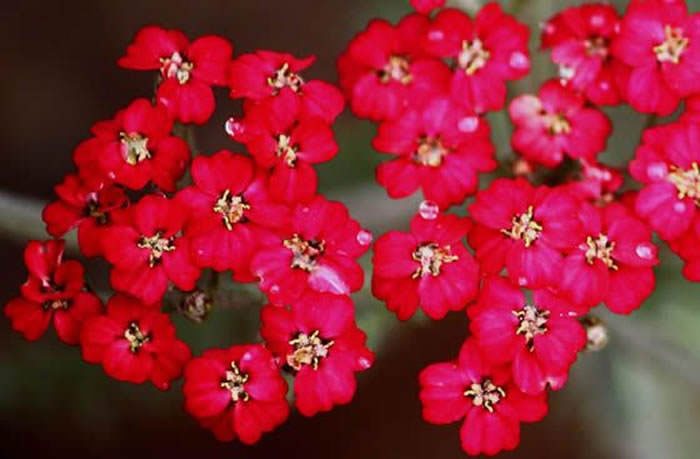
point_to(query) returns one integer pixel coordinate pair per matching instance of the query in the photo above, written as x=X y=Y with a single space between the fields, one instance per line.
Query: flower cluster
x=557 y=235
x=554 y=234
x=166 y=218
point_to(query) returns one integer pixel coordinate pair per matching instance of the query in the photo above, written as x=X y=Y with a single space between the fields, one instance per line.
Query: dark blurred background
x=639 y=398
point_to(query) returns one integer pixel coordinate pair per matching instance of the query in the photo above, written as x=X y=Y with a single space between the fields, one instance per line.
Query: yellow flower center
x=232 y=208
x=473 y=56
x=430 y=152
x=672 y=47
x=304 y=253
x=398 y=69
x=176 y=67
x=431 y=257
x=284 y=77
x=135 y=147
x=533 y=322
x=524 y=228
x=234 y=382
x=485 y=394
x=308 y=350
x=158 y=245
x=601 y=249
x=135 y=337
x=687 y=182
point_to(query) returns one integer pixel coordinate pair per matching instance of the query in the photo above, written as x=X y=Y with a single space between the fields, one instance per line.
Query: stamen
x=176 y=67
x=158 y=245
x=431 y=258
x=533 y=322
x=232 y=208
x=485 y=394
x=286 y=150
x=55 y=305
x=687 y=182
x=308 y=350
x=135 y=147
x=283 y=77
x=305 y=253
x=473 y=56
x=234 y=382
x=135 y=337
x=597 y=47
x=430 y=152
x=602 y=249
x=396 y=69
x=557 y=124
x=673 y=46
x=524 y=228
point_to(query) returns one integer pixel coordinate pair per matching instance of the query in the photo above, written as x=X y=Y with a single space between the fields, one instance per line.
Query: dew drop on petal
x=644 y=251
x=233 y=127
x=364 y=362
x=468 y=124
x=566 y=73
x=436 y=35
x=275 y=289
x=364 y=237
x=429 y=210
x=657 y=171
x=679 y=207
x=519 y=60
x=522 y=281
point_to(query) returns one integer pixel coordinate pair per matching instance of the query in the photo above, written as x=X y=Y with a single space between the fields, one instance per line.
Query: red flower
x=54 y=290
x=439 y=148
x=525 y=230
x=596 y=182
x=484 y=396
x=580 y=38
x=541 y=338
x=318 y=251
x=229 y=211
x=384 y=69
x=88 y=208
x=236 y=392
x=318 y=340
x=281 y=138
x=613 y=263
x=667 y=163
x=187 y=70
x=427 y=267
x=267 y=74
x=147 y=251
x=687 y=247
x=426 y=6
x=661 y=43
x=557 y=122
x=136 y=147
x=134 y=343
x=488 y=51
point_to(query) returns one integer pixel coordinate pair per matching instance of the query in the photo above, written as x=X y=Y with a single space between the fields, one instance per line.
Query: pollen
x=533 y=322
x=55 y=305
x=308 y=350
x=158 y=245
x=234 y=382
x=304 y=253
x=397 y=69
x=176 y=67
x=600 y=248
x=473 y=56
x=524 y=228
x=135 y=147
x=485 y=394
x=135 y=337
x=687 y=182
x=232 y=208
x=597 y=47
x=431 y=257
x=286 y=150
x=672 y=47
x=557 y=124
x=285 y=78
x=430 y=152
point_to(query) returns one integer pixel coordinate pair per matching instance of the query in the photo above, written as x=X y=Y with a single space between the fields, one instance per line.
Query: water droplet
x=436 y=35
x=679 y=207
x=522 y=281
x=305 y=210
x=429 y=210
x=468 y=124
x=275 y=289
x=566 y=72
x=364 y=362
x=233 y=128
x=597 y=20
x=657 y=171
x=364 y=237
x=519 y=60
x=644 y=251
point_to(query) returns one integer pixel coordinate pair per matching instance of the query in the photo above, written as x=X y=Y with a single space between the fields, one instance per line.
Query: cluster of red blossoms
x=540 y=247
x=160 y=218
x=543 y=255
